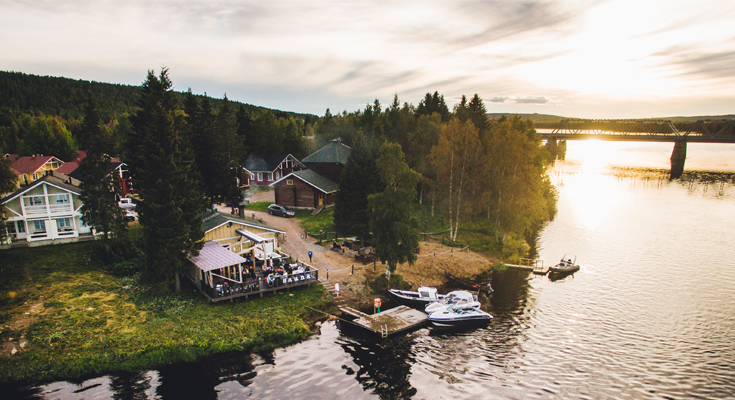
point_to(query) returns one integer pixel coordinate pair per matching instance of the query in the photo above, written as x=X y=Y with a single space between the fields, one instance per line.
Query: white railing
x=52 y=208
x=60 y=208
x=36 y=210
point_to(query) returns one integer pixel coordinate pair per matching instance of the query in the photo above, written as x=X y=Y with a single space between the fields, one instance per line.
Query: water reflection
x=384 y=366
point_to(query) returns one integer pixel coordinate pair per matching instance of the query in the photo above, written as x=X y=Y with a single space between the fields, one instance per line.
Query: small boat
x=457 y=317
x=567 y=265
x=467 y=284
x=418 y=299
x=457 y=299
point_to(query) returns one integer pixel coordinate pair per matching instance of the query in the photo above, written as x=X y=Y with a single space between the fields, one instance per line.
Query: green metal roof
x=213 y=219
x=312 y=178
x=334 y=152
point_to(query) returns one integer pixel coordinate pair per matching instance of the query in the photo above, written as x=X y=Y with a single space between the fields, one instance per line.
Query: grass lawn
x=76 y=319
x=313 y=224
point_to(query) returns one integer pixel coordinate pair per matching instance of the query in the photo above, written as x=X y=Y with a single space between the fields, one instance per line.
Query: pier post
x=678 y=156
x=561 y=150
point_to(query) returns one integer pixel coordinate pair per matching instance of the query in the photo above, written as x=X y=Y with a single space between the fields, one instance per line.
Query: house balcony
x=53 y=209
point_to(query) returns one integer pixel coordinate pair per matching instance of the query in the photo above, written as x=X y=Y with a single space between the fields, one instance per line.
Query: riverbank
x=62 y=316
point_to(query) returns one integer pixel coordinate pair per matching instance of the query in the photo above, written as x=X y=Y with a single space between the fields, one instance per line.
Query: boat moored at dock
x=459 y=317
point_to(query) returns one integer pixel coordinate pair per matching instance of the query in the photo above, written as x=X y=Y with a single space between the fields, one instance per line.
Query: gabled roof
x=333 y=152
x=31 y=164
x=326 y=185
x=213 y=256
x=77 y=174
x=68 y=167
x=265 y=162
x=214 y=219
x=49 y=179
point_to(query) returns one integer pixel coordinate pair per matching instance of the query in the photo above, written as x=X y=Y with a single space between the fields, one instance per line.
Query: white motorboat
x=457 y=317
x=458 y=299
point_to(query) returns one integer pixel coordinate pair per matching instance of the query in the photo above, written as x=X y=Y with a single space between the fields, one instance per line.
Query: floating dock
x=389 y=322
x=535 y=266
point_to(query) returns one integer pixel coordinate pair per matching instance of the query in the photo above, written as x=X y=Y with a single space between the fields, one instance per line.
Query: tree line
x=490 y=174
x=44 y=115
x=183 y=152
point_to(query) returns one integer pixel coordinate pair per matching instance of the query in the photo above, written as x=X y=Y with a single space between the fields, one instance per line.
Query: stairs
x=339 y=301
x=317 y=210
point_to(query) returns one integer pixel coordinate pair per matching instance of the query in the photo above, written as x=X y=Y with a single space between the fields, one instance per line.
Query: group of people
x=287 y=274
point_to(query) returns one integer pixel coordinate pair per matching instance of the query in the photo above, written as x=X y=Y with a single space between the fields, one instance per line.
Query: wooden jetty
x=531 y=265
x=389 y=322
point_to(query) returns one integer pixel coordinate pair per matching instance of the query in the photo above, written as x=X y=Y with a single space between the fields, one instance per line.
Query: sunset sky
x=590 y=59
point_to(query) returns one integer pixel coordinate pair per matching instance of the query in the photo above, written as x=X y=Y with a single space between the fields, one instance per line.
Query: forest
x=44 y=115
x=485 y=178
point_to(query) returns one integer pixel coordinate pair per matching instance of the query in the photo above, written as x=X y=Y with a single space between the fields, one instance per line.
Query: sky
x=575 y=58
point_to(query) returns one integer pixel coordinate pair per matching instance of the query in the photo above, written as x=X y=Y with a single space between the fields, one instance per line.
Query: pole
x=353 y=270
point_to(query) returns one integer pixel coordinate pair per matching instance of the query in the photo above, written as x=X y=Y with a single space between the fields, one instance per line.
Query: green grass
x=261 y=206
x=86 y=321
x=324 y=221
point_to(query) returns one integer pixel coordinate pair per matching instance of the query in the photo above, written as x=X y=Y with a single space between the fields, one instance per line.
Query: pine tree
x=478 y=115
x=98 y=190
x=171 y=203
x=394 y=234
x=359 y=179
x=226 y=156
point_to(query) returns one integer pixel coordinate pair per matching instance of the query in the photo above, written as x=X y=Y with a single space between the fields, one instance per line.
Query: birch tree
x=455 y=158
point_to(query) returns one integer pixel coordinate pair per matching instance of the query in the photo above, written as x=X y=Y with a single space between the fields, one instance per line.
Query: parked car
x=129 y=216
x=275 y=209
x=126 y=203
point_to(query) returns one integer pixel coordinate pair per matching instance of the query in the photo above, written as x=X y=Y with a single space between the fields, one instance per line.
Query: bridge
x=643 y=130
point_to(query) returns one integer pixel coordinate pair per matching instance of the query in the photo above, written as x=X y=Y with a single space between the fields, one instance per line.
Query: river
x=650 y=314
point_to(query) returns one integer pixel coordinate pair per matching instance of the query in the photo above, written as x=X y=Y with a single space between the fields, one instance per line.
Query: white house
x=44 y=212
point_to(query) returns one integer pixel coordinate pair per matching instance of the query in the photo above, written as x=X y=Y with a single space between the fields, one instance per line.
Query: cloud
x=498 y=99
x=531 y=100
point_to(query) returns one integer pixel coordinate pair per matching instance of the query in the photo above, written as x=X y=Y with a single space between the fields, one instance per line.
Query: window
x=21 y=227
x=64 y=224
x=268 y=176
x=61 y=199
x=39 y=226
x=35 y=201
x=260 y=176
x=289 y=182
x=11 y=227
x=35 y=176
x=252 y=176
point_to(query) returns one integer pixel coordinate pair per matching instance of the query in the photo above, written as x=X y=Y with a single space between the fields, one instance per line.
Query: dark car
x=275 y=209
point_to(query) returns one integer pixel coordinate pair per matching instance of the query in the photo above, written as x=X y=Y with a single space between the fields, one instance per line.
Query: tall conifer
x=171 y=203
x=359 y=179
x=99 y=208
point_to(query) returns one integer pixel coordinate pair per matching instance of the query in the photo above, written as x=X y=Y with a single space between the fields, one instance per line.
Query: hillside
x=547 y=120
x=33 y=94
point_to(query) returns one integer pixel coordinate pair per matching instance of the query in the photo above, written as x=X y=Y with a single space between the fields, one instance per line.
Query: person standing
x=310 y=254
x=336 y=289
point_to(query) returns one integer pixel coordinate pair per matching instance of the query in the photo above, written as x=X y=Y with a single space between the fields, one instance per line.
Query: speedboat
x=458 y=299
x=452 y=316
x=418 y=299
x=567 y=265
